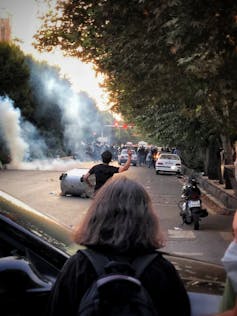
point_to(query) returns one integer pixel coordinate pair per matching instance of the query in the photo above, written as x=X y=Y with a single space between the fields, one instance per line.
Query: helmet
x=192 y=181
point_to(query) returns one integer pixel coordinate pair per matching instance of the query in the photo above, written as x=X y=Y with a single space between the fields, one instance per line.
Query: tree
x=156 y=56
x=205 y=46
x=14 y=77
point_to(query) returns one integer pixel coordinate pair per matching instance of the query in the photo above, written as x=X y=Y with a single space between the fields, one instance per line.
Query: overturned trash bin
x=71 y=183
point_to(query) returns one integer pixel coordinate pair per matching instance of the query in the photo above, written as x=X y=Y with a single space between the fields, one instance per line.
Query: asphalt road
x=41 y=190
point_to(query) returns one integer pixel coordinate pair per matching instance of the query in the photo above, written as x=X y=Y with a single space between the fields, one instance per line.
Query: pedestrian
x=149 y=159
x=154 y=152
x=120 y=223
x=229 y=260
x=141 y=155
x=104 y=171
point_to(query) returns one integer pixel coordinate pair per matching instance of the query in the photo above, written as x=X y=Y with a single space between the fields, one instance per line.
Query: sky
x=23 y=16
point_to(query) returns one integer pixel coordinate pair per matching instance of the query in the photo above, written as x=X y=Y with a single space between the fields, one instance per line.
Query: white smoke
x=10 y=129
x=69 y=103
x=55 y=164
x=75 y=109
x=24 y=142
x=27 y=148
x=36 y=144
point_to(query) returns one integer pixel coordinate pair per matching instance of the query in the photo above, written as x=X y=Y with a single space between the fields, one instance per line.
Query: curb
x=223 y=201
x=211 y=203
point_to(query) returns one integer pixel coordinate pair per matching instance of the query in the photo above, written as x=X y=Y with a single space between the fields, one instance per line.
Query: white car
x=167 y=162
x=123 y=157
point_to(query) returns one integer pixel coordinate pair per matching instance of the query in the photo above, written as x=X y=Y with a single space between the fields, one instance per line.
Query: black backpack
x=117 y=291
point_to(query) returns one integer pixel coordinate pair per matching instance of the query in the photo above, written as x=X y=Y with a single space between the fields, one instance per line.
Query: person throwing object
x=104 y=171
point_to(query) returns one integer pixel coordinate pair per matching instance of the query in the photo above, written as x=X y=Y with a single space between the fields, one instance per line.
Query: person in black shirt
x=104 y=171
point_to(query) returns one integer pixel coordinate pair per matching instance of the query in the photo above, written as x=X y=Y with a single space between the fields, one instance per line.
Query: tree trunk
x=214 y=161
x=228 y=154
x=206 y=160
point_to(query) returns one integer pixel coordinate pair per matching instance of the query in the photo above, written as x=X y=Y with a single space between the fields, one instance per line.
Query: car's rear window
x=171 y=157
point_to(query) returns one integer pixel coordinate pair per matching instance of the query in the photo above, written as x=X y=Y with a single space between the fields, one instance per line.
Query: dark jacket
x=160 y=279
x=192 y=192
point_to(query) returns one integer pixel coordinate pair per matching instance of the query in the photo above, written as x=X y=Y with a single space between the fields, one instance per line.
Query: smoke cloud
x=24 y=142
x=11 y=131
x=79 y=118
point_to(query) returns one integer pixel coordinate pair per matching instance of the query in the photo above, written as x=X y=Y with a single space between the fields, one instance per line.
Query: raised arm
x=128 y=162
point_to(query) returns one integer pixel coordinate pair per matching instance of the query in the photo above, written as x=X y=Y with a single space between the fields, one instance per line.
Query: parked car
x=34 y=247
x=167 y=162
x=123 y=157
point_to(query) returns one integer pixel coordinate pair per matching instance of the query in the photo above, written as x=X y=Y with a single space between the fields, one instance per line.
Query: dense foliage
x=14 y=77
x=170 y=65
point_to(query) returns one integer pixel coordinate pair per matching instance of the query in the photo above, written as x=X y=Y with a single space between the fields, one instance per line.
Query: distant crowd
x=146 y=156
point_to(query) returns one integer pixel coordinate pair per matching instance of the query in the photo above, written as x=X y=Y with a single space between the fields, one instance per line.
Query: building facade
x=5 y=30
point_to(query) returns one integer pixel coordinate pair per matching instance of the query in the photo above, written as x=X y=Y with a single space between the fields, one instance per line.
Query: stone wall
x=224 y=196
x=227 y=198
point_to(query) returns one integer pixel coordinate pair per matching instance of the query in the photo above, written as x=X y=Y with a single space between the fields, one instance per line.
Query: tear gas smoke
x=24 y=142
x=78 y=119
x=79 y=116
x=36 y=144
x=27 y=148
x=11 y=131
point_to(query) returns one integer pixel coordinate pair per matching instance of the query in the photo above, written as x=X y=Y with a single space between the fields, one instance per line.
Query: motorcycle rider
x=191 y=191
x=191 y=203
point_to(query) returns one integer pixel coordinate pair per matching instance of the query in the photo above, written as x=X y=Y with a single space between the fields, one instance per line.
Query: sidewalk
x=221 y=200
x=215 y=196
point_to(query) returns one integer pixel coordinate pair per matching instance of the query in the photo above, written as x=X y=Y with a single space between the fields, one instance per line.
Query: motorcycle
x=190 y=204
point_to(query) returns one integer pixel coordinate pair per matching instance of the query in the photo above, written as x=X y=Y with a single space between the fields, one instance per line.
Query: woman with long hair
x=121 y=222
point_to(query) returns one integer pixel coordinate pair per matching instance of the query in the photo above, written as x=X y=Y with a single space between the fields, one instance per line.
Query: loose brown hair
x=121 y=218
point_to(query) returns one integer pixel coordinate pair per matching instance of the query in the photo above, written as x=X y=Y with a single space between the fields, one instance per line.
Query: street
x=41 y=190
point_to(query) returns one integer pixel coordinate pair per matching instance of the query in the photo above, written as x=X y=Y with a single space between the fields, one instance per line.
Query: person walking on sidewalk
x=104 y=171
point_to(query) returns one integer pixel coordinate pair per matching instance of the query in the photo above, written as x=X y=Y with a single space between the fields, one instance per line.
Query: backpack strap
x=141 y=262
x=97 y=259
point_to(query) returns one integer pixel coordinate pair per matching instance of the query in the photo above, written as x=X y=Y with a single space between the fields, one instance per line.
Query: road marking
x=177 y=234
